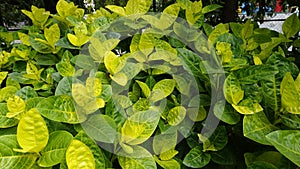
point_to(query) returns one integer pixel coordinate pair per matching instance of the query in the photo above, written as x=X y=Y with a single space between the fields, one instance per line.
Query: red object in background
x=278 y=7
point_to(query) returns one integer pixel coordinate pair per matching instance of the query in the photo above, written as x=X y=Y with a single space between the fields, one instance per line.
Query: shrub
x=125 y=88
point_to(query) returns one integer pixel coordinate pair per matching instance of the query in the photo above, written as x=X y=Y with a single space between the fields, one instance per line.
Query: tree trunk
x=229 y=11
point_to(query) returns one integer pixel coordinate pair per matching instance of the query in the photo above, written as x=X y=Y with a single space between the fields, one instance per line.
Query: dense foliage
x=125 y=88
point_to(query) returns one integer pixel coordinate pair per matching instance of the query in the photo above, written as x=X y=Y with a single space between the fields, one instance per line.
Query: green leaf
x=291 y=26
x=166 y=164
x=164 y=142
x=12 y=159
x=83 y=61
x=59 y=108
x=26 y=93
x=137 y=6
x=285 y=141
x=247 y=30
x=291 y=120
x=100 y=158
x=64 y=87
x=185 y=32
x=223 y=157
x=176 y=115
x=140 y=158
x=256 y=127
x=256 y=73
x=236 y=29
x=139 y=127
x=79 y=155
x=145 y=88
x=101 y=128
x=162 y=89
x=261 y=164
x=226 y=113
x=196 y=158
x=184 y=4
x=32 y=133
x=54 y=152
x=41 y=45
x=232 y=89
x=6 y=122
x=210 y=8
x=290 y=97
x=216 y=141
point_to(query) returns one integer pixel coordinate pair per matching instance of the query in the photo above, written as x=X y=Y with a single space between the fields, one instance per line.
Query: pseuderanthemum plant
x=124 y=88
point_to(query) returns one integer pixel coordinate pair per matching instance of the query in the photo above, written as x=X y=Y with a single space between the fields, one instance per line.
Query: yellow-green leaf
x=79 y=156
x=52 y=34
x=162 y=89
x=137 y=6
x=16 y=106
x=78 y=40
x=144 y=88
x=176 y=115
x=24 y=38
x=116 y=9
x=32 y=132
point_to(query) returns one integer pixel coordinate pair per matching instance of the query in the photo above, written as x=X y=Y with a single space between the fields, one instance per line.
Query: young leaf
x=52 y=34
x=247 y=30
x=290 y=97
x=196 y=158
x=285 y=141
x=54 y=152
x=144 y=87
x=78 y=40
x=219 y=30
x=79 y=155
x=256 y=127
x=3 y=76
x=32 y=133
x=210 y=8
x=291 y=26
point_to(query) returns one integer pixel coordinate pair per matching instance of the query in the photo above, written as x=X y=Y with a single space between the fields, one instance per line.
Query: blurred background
x=12 y=18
